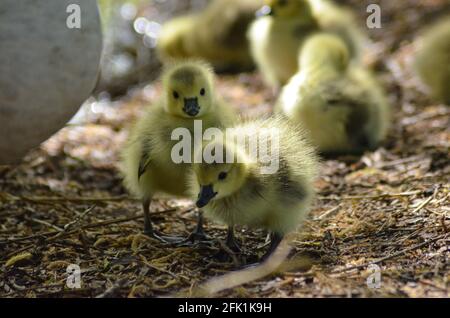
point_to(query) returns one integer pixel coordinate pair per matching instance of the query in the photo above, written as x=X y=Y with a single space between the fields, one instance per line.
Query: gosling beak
x=205 y=195
x=264 y=11
x=191 y=106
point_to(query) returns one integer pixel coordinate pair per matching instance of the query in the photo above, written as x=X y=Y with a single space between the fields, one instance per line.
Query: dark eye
x=282 y=3
x=222 y=175
x=175 y=94
x=202 y=92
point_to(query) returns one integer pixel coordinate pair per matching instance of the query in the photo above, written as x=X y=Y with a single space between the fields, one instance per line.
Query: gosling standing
x=276 y=37
x=247 y=190
x=342 y=107
x=147 y=165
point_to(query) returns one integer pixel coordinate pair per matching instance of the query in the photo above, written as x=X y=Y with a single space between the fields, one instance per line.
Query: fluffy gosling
x=147 y=166
x=432 y=60
x=340 y=104
x=276 y=37
x=216 y=34
x=242 y=192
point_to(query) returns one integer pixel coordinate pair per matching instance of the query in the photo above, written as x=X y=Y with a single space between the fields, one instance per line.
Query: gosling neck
x=319 y=74
x=322 y=65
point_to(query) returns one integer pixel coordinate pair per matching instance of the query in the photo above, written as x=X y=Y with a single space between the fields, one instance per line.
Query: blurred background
x=131 y=30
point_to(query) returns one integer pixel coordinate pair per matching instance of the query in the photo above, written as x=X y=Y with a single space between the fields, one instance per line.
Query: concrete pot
x=47 y=69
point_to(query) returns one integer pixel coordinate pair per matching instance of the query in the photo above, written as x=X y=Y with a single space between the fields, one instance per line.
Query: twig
x=423 y=204
x=375 y=196
x=116 y=286
x=400 y=161
x=327 y=213
x=383 y=195
x=78 y=218
x=57 y=228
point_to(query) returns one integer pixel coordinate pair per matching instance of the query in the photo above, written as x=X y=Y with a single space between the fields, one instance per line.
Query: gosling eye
x=176 y=95
x=202 y=92
x=282 y=3
x=222 y=176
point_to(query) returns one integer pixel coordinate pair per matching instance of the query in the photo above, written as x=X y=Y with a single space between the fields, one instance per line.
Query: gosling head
x=285 y=8
x=325 y=50
x=216 y=180
x=189 y=89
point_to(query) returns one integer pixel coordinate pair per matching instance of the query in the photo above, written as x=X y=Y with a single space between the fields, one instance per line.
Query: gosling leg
x=233 y=246
x=148 y=226
x=231 y=240
x=199 y=234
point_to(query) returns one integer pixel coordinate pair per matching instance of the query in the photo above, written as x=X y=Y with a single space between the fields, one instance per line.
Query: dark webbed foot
x=231 y=247
x=231 y=242
x=198 y=235
x=161 y=237
x=194 y=238
x=151 y=232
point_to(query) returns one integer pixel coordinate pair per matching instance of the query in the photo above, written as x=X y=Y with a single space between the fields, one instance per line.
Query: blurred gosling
x=340 y=104
x=216 y=34
x=432 y=60
x=241 y=192
x=279 y=33
x=147 y=165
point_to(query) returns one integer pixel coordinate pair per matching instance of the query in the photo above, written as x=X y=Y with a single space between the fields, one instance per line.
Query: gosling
x=216 y=34
x=432 y=60
x=340 y=105
x=147 y=165
x=245 y=191
x=279 y=33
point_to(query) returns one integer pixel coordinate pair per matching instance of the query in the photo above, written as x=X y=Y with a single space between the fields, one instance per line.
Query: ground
x=66 y=204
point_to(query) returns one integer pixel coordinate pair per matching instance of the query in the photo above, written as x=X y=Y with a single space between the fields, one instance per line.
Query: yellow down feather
x=277 y=38
x=276 y=199
x=340 y=104
x=217 y=34
x=432 y=60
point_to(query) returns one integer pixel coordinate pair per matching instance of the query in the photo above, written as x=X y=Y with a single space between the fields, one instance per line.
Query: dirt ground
x=66 y=205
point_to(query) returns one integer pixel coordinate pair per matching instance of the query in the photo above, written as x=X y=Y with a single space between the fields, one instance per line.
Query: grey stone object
x=47 y=69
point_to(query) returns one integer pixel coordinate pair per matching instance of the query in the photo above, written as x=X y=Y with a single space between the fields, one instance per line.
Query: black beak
x=205 y=195
x=191 y=106
x=264 y=11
